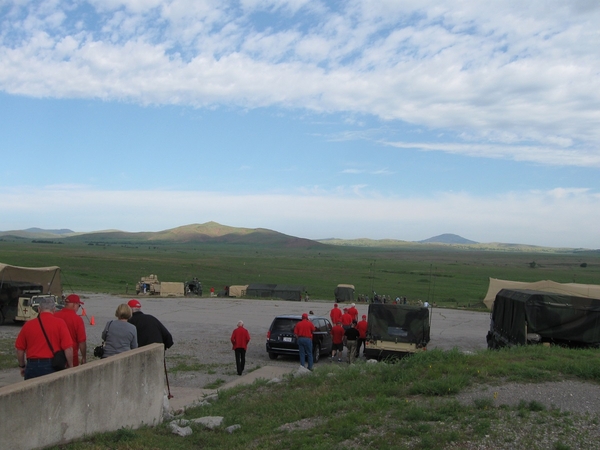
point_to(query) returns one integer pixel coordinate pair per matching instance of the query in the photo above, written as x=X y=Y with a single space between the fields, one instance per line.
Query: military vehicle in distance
x=20 y=299
x=521 y=317
x=344 y=293
x=193 y=287
x=148 y=285
x=396 y=330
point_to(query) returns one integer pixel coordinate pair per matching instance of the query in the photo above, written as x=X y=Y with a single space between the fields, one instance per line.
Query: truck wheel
x=272 y=355
x=316 y=353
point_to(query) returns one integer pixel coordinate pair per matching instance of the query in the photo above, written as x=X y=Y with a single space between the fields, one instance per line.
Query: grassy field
x=441 y=274
x=406 y=405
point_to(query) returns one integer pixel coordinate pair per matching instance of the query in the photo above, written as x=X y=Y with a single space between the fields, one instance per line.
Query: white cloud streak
x=537 y=217
x=517 y=81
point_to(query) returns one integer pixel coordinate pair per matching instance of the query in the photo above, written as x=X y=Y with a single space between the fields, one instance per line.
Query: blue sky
x=378 y=119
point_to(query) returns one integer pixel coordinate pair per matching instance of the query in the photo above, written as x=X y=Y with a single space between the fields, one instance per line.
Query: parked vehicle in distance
x=396 y=330
x=282 y=341
x=521 y=317
x=344 y=293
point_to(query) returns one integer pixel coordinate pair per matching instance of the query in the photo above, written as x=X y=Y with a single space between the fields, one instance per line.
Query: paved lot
x=201 y=328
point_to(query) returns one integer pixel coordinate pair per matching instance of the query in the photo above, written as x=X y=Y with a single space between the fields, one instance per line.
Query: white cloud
x=539 y=218
x=497 y=72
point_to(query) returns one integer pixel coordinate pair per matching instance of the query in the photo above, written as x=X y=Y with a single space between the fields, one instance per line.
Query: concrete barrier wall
x=126 y=390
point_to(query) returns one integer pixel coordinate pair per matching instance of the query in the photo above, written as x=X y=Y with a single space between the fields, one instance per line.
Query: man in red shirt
x=239 y=339
x=335 y=314
x=337 y=337
x=346 y=319
x=76 y=327
x=304 y=335
x=362 y=327
x=32 y=343
x=353 y=312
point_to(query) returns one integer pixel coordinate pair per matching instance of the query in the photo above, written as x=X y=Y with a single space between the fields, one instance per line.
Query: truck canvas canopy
x=519 y=315
x=47 y=277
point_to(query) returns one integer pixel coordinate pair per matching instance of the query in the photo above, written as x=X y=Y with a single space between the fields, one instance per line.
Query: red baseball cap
x=305 y=316
x=133 y=303
x=73 y=298
x=364 y=316
x=335 y=305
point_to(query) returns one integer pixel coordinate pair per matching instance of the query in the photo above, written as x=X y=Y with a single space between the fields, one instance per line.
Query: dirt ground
x=201 y=328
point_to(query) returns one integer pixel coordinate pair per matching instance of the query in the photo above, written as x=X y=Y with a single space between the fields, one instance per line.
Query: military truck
x=396 y=330
x=19 y=300
x=521 y=317
x=193 y=287
x=20 y=286
x=344 y=293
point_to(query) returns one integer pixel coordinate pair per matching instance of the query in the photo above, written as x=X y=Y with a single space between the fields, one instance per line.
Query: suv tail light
x=268 y=335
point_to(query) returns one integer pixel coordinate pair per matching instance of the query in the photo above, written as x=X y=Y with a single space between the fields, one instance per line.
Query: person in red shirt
x=335 y=314
x=353 y=312
x=337 y=337
x=32 y=344
x=76 y=327
x=304 y=335
x=346 y=319
x=239 y=339
x=362 y=327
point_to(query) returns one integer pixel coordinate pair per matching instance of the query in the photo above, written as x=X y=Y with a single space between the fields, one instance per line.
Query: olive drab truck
x=21 y=288
x=344 y=293
x=521 y=317
x=396 y=330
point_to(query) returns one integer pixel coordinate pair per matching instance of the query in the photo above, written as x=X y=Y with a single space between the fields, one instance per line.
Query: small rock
x=180 y=431
x=232 y=428
x=209 y=421
x=274 y=380
x=372 y=361
x=301 y=371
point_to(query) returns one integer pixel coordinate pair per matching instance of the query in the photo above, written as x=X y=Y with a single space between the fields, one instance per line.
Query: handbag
x=59 y=360
x=99 y=349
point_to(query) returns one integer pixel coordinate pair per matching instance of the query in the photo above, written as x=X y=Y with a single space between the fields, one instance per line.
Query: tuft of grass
x=8 y=356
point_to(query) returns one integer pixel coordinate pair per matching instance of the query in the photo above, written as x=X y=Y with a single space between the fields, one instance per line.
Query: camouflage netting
x=555 y=317
x=399 y=323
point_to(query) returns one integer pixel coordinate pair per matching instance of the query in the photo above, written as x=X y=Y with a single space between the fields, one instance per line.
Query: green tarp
x=555 y=317
x=399 y=323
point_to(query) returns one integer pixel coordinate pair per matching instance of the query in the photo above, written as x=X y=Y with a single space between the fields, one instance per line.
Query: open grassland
x=442 y=274
x=410 y=404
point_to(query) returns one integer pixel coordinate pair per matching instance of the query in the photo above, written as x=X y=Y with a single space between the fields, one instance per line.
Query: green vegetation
x=8 y=359
x=449 y=276
x=407 y=404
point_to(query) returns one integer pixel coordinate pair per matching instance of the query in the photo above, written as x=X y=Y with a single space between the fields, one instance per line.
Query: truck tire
x=272 y=355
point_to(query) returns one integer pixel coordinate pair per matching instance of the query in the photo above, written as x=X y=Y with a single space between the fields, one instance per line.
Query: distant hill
x=447 y=239
x=210 y=232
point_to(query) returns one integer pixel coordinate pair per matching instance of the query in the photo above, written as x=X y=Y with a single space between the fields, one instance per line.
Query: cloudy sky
x=349 y=119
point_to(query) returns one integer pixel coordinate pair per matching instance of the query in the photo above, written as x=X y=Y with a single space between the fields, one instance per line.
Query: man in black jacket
x=149 y=329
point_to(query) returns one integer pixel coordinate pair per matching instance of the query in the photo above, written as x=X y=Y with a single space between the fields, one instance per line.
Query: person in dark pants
x=351 y=336
x=32 y=343
x=149 y=329
x=304 y=335
x=239 y=339
x=362 y=327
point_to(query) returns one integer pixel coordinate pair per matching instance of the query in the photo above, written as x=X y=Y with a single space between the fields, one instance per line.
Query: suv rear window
x=284 y=325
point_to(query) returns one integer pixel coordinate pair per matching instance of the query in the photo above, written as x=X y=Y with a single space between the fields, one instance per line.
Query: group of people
x=347 y=332
x=64 y=330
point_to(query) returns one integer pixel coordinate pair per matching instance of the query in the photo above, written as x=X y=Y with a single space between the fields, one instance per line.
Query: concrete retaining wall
x=126 y=390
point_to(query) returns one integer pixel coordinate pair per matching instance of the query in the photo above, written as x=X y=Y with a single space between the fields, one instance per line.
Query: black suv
x=282 y=341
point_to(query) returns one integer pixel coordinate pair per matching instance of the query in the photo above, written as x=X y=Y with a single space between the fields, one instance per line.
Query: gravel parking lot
x=201 y=329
